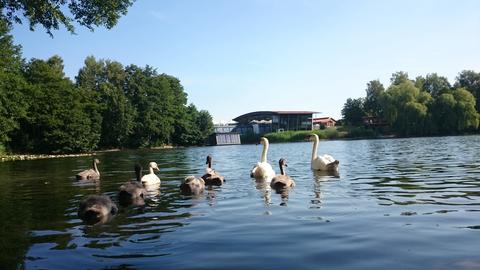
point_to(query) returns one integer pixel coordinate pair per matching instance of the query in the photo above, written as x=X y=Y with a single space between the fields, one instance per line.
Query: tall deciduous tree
x=399 y=77
x=373 y=106
x=435 y=85
x=353 y=111
x=470 y=80
x=105 y=81
x=12 y=84
x=51 y=14
x=406 y=108
x=444 y=115
x=57 y=120
x=158 y=100
x=467 y=117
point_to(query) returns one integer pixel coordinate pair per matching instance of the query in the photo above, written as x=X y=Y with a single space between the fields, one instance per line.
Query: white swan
x=263 y=170
x=151 y=178
x=325 y=162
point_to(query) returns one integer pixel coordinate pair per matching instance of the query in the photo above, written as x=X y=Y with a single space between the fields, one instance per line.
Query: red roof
x=322 y=120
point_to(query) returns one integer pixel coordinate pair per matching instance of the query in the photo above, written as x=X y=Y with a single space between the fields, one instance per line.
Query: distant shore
x=15 y=157
x=332 y=133
x=284 y=137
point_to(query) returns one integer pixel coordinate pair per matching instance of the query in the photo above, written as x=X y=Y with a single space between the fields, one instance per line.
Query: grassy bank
x=343 y=132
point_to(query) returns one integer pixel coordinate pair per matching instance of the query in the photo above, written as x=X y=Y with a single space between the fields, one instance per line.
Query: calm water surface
x=396 y=204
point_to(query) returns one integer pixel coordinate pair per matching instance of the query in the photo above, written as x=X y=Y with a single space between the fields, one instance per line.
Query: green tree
x=373 y=106
x=186 y=132
x=204 y=124
x=105 y=81
x=51 y=14
x=399 y=77
x=419 y=82
x=13 y=103
x=467 y=116
x=470 y=80
x=406 y=108
x=57 y=119
x=194 y=128
x=153 y=97
x=353 y=111
x=444 y=114
x=436 y=85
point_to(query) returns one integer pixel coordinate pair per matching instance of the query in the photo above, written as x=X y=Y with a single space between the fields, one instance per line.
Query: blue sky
x=234 y=57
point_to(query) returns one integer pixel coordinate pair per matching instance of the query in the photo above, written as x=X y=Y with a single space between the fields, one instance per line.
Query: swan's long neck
x=264 y=152
x=95 y=167
x=138 y=173
x=209 y=164
x=151 y=170
x=315 y=146
x=282 y=170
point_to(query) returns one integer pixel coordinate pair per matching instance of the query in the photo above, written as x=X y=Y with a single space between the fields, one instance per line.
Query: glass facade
x=293 y=122
x=274 y=121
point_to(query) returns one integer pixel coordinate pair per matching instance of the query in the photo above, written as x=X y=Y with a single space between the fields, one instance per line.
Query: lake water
x=396 y=204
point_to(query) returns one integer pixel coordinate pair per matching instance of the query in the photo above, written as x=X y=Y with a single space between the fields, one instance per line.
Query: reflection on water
x=283 y=192
x=399 y=204
x=264 y=190
x=325 y=175
x=153 y=191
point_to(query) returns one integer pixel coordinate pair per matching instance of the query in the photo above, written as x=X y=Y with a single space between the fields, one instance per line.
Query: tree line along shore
x=425 y=106
x=107 y=106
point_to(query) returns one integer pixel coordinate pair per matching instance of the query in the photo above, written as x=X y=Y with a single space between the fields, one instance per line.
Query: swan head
x=282 y=162
x=263 y=141
x=153 y=165
x=333 y=167
x=314 y=137
x=209 y=159
x=192 y=186
x=96 y=161
x=190 y=179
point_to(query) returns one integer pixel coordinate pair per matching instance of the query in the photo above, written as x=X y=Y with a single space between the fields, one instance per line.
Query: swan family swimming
x=97 y=209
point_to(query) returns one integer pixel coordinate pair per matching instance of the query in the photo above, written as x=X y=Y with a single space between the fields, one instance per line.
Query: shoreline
x=18 y=157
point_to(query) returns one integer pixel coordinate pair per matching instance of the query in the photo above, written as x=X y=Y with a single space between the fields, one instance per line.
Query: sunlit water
x=396 y=204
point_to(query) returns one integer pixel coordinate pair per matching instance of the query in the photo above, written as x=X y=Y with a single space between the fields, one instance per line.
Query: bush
x=250 y=138
x=359 y=132
x=303 y=135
